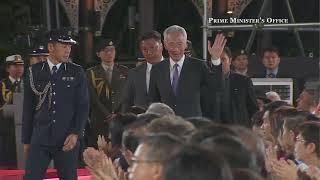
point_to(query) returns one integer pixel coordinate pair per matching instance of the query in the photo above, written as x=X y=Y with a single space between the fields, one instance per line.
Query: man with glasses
x=106 y=82
x=307 y=146
x=151 y=155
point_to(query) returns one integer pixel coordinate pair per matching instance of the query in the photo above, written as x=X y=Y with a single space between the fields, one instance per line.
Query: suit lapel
x=183 y=74
x=167 y=76
x=62 y=71
x=142 y=80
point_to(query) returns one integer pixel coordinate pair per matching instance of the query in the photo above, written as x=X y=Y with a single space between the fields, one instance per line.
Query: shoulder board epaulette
x=91 y=68
x=122 y=66
x=75 y=64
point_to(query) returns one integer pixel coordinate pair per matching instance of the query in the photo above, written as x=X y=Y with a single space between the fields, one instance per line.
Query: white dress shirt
x=148 y=71
x=13 y=79
x=216 y=62
x=51 y=65
x=108 y=70
x=106 y=67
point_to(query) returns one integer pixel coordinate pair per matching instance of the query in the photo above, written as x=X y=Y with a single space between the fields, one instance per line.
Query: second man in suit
x=137 y=86
x=106 y=81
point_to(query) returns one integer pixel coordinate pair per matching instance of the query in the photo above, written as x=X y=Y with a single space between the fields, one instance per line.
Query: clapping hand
x=104 y=146
x=93 y=158
x=101 y=166
x=110 y=171
x=270 y=157
x=216 y=49
x=286 y=170
x=102 y=143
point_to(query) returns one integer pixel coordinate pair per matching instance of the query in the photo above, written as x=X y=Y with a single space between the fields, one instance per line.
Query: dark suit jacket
x=194 y=74
x=68 y=111
x=135 y=91
x=280 y=74
x=235 y=107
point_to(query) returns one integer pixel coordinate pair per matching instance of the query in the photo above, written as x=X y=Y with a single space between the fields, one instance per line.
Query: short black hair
x=118 y=125
x=314 y=93
x=136 y=130
x=271 y=49
x=310 y=131
x=292 y=121
x=234 y=151
x=130 y=140
x=197 y=163
x=150 y=35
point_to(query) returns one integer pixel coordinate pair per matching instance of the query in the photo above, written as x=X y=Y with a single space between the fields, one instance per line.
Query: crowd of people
x=168 y=118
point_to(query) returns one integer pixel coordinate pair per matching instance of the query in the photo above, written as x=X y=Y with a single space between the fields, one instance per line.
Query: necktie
x=109 y=74
x=175 y=78
x=271 y=75
x=54 y=70
x=16 y=85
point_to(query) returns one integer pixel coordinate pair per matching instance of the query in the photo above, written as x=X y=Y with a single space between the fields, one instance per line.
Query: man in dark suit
x=271 y=60
x=236 y=102
x=12 y=84
x=106 y=82
x=137 y=86
x=177 y=81
x=56 y=107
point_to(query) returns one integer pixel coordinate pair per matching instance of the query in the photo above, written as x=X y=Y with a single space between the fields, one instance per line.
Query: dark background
x=22 y=22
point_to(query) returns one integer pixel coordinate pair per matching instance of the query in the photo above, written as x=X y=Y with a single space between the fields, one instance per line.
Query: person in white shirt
x=137 y=87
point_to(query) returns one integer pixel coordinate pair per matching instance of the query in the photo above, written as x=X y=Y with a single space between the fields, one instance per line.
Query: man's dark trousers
x=40 y=155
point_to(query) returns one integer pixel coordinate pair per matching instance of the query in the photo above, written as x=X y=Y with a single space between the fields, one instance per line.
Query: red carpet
x=83 y=174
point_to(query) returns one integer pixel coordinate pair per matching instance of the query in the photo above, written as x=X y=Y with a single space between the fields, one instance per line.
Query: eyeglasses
x=300 y=140
x=137 y=161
